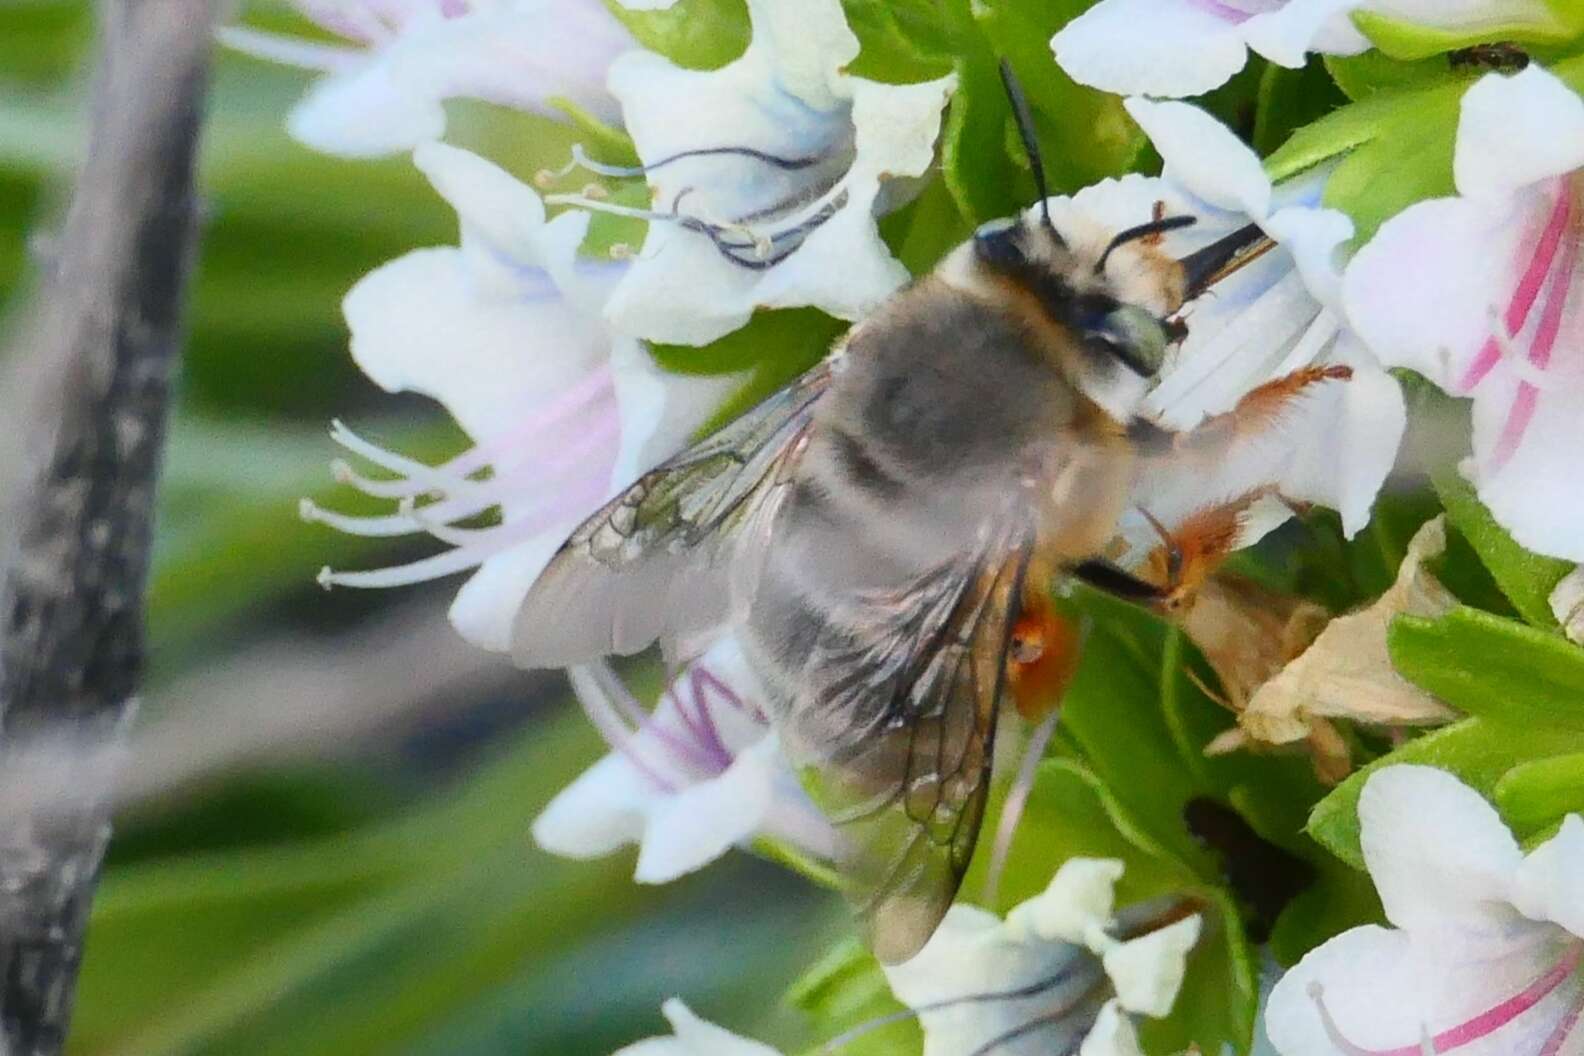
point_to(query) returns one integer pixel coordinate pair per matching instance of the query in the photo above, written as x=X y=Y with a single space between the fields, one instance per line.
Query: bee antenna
x=1146 y=230
x=1025 y=126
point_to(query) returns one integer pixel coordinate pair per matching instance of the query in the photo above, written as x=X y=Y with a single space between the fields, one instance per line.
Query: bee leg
x=1104 y=575
x=1188 y=556
x=1258 y=408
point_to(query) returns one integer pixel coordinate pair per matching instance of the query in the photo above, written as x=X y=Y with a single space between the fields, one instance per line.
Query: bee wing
x=900 y=717
x=655 y=562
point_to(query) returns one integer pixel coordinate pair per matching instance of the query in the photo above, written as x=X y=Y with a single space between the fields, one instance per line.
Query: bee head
x=1109 y=346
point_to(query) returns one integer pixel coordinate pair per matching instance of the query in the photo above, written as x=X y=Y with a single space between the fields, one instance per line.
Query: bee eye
x=1134 y=336
x=996 y=243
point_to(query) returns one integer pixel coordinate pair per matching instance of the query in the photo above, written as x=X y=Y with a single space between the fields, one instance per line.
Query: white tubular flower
x=505 y=332
x=692 y=1036
x=700 y=774
x=767 y=175
x=382 y=92
x=1185 y=47
x=1062 y=981
x=1485 y=955
x=1335 y=442
x=1481 y=294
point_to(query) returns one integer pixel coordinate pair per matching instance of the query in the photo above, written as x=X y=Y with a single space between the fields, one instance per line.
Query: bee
x=883 y=534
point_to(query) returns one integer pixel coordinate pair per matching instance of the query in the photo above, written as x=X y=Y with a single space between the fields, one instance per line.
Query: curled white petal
x=1517 y=130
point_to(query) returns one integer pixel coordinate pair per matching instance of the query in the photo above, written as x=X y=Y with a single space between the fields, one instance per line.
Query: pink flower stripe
x=1527 y=290
x=1482 y=1025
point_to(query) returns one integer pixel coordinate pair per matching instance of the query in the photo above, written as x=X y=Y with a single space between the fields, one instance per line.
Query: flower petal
x=1365 y=978
x=1530 y=494
x=1423 y=291
x=418 y=325
x=1150 y=47
x=695 y=1037
x=1287 y=35
x=1550 y=882
x=974 y=953
x=1203 y=157
x=602 y=810
x=516 y=54
x=1517 y=130
x=1148 y=971
x=661 y=410
x=491 y=204
x=682 y=288
x=703 y=1038
x=1376 y=989
x=1076 y=905
x=701 y=822
x=1111 y=1035
x=486 y=606
x=363 y=114
x=1438 y=853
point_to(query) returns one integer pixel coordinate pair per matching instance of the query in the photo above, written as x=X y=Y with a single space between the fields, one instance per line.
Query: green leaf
x=1493 y=668
x=847 y=988
x=1526 y=579
x=612 y=146
x=1477 y=751
x=1524 y=689
x=800 y=335
x=926 y=229
x=697 y=34
x=900 y=41
x=1084 y=135
x=1340 y=898
x=1290 y=99
x=1402 y=38
x=1535 y=796
x=1361 y=76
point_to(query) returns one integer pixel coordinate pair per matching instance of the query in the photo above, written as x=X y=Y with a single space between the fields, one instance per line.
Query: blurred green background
x=325 y=848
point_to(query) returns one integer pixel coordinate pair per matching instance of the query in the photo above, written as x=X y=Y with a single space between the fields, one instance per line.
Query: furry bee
x=875 y=531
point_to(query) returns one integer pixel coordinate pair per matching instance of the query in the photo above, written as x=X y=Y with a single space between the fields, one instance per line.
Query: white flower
x=1185 y=47
x=1336 y=441
x=700 y=774
x=693 y=1036
x=1481 y=294
x=1485 y=956
x=766 y=176
x=505 y=332
x=1048 y=975
x=382 y=92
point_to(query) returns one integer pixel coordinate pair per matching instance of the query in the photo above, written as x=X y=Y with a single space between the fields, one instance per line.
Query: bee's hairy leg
x=1258 y=408
x=1104 y=575
x=1191 y=553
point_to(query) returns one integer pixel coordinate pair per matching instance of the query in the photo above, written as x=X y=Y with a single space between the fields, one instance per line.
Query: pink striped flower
x=504 y=331
x=381 y=92
x=686 y=781
x=1487 y=956
x=1482 y=294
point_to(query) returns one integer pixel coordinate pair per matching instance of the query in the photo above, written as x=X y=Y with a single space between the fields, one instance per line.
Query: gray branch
x=106 y=339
